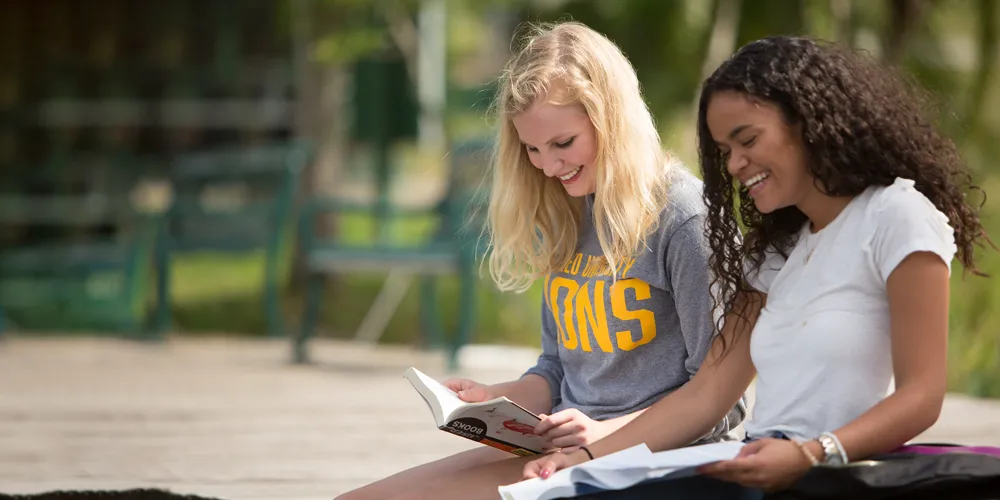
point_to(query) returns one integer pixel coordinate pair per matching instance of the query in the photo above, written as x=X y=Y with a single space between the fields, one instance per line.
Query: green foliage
x=770 y=17
x=664 y=41
x=346 y=30
x=347 y=46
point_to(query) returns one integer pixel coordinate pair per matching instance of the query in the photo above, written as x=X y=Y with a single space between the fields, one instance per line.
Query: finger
x=474 y=395
x=531 y=469
x=458 y=384
x=734 y=466
x=545 y=424
x=567 y=441
x=554 y=420
x=752 y=448
x=720 y=473
x=467 y=390
x=732 y=473
x=712 y=469
x=542 y=468
x=723 y=476
x=565 y=429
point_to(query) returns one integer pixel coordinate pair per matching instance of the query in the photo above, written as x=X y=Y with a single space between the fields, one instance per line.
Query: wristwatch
x=832 y=452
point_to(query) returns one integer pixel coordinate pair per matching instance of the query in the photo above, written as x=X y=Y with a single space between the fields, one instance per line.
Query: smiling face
x=763 y=151
x=561 y=142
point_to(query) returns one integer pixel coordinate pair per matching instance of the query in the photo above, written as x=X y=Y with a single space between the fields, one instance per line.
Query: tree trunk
x=905 y=16
x=321 y=116
x=843 y=14
x=721 y=42
x=986 y=61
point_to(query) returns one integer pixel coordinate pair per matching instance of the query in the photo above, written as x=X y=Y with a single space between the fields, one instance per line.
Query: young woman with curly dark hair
x=854 y=206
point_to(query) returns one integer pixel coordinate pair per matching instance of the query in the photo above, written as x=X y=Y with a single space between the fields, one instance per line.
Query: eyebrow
x=736 y=131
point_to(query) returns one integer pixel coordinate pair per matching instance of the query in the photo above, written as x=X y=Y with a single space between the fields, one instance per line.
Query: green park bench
x=236 y=200
x=451 y=247
x=89 y=282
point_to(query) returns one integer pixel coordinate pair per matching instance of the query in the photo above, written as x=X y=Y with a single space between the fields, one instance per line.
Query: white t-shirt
x=821 y=346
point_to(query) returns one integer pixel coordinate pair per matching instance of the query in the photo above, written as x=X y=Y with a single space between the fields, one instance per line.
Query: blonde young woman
x=585 y=199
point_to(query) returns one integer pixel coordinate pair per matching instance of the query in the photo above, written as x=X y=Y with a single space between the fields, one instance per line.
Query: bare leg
x=473 y=483
x=417 y=477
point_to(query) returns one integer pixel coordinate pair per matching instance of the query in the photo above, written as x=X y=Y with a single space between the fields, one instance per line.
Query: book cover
x=499 y=423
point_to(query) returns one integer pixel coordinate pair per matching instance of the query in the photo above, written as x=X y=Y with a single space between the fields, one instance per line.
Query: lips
x=570 y=177
x=749 y=183
x=756 y=183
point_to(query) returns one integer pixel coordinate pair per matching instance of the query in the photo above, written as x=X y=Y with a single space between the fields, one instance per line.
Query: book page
x=563 y=484
x=621 y=470
x=436 y=394
x=695 y=455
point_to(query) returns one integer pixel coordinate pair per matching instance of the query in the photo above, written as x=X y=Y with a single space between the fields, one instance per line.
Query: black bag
x=931 y=472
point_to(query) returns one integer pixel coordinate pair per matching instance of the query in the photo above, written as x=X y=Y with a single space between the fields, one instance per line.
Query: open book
x=500 y=423
x=621 y=470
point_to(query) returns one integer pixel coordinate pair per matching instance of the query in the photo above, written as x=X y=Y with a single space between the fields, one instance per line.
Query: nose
x=551 y=163
x=736 y=162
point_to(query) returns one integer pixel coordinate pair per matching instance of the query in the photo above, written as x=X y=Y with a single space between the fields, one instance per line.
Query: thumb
x=473 y=394
x=751 y=448
x=531 y=469
x=457 y=384
x=542 y=468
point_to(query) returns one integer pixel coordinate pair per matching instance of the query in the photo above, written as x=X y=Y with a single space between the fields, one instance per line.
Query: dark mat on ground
x=136 y=494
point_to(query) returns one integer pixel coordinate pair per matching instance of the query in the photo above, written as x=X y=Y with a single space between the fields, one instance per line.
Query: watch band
x=833 y=453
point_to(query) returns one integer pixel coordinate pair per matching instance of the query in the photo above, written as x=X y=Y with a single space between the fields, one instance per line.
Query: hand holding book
x=569 y=429
x=469 y=391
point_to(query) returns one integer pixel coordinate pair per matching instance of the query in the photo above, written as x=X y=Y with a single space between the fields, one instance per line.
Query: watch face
x=830 y=450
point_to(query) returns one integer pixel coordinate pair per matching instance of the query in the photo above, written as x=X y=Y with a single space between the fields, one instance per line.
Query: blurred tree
x=904 y=18
x=328 y=36
x=987 y=62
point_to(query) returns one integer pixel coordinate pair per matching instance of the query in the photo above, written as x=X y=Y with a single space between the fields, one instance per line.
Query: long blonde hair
x=532 y=222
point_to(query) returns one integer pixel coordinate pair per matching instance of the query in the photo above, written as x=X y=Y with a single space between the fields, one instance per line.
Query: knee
x=356 y=494
x=379 y=491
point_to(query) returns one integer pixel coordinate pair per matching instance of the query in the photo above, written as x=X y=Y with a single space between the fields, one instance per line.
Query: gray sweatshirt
x=611 y=350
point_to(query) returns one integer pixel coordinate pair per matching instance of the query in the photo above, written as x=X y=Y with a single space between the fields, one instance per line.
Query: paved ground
x=231 y=419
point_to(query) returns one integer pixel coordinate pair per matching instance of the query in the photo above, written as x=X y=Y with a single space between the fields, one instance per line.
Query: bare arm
x=534 y=390
x=695 y=408
x=530 y=391
x=918 y=308
x=619 y=422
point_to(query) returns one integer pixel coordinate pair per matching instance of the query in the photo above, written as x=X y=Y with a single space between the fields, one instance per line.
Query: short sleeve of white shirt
x=908 y=222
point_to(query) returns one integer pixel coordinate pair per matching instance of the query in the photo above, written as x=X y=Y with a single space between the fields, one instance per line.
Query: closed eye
x=749 y=142
x=566 y=144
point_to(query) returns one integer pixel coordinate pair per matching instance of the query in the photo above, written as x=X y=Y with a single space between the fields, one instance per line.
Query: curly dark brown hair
x=863 y=124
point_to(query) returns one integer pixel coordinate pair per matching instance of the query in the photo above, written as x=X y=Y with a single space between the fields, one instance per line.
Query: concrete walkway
x=231 y=419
